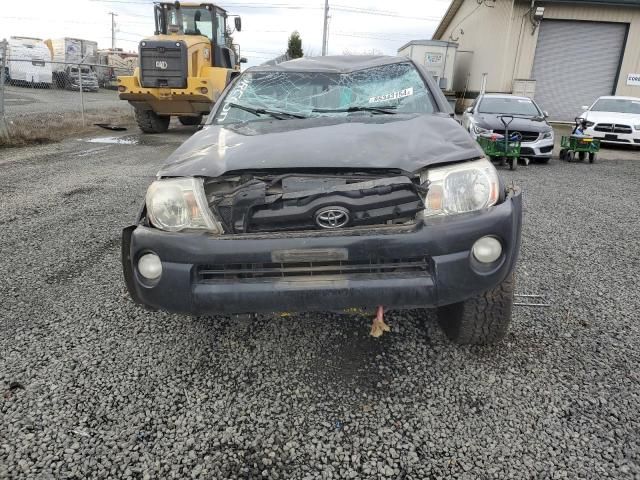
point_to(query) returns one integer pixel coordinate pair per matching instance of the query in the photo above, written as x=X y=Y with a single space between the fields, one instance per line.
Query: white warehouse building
x=563 y=53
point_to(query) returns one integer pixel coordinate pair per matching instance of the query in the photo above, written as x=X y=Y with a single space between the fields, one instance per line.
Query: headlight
x=461 y=188
x=179 y=204
x=548 y=134
x=479 y=130
x=637 y=127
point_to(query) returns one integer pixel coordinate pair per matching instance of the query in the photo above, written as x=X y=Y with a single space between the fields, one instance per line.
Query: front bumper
x=541 y=148
x=452 y=276
x=616 y=138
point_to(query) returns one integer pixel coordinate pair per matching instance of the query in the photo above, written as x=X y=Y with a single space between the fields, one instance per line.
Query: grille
x=612 y=128
x=526 y=151
x=526 y=136
x=163 y=64
x=302 y=270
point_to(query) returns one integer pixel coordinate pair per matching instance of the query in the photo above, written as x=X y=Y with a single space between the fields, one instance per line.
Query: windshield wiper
x=263 y=111
x=385 y=109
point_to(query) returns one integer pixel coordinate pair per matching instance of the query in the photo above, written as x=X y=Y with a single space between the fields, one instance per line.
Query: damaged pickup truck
x=325 y=184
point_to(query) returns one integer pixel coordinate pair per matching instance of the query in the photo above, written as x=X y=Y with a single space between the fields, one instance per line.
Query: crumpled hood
x=406 y=142
x=492 y=122
x=612 y=117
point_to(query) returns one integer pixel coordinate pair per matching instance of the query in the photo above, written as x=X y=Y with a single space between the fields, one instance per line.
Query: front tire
x=482 y=319
x=189 y=121
x=593 y=157
x=150 y=122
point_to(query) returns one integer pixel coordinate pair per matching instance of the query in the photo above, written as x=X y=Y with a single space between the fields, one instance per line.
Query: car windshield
x=387 y=89
x=509 y=106
x=617 y=105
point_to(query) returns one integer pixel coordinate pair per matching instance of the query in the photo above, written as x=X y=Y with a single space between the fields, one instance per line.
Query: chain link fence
x=43 y=100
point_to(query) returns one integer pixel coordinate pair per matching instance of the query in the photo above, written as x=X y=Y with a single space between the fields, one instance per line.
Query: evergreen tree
x=294 y=48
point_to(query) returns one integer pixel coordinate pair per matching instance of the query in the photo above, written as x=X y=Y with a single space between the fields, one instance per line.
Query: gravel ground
x=22 y=100
x=92 y=386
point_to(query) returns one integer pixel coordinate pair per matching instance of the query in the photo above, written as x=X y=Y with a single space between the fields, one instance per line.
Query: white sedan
x=614 y=120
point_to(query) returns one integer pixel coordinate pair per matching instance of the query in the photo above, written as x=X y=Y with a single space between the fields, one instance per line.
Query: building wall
x=503 y=45
x=631 y=57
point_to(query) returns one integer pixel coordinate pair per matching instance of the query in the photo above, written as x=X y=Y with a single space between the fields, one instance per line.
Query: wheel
x=513 y=164
x=150 y=122
x=571 y=156
x=190 y=120
x=482 y=319
x=563 y=155
x=593 y=157
x=582 y=156
x=503 y=161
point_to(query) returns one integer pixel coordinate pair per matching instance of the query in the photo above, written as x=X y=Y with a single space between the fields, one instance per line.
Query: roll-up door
x=575 y=63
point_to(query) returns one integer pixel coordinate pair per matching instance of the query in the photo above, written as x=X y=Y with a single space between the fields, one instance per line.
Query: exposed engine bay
x=251 y=202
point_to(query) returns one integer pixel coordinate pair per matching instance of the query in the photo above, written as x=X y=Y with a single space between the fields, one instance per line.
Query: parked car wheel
x=582 y=156
x=513 y=164
x=482 y=319
x=150 y=122
x=563 y=155
x=593 y=157
x=190 y=120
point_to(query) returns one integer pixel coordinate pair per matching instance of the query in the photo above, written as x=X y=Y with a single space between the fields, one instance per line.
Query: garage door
x=575 y=63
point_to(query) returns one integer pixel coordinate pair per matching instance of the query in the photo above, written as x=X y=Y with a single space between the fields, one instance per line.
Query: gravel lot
x=92 y=386
x=21 y=100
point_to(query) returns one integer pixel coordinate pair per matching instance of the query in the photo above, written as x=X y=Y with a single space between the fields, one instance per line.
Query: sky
x=354 y=27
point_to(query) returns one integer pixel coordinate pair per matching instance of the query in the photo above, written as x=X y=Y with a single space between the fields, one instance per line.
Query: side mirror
x=243 y=59
x=469 y=110
x=545 y=114
x=238 y=23
x=585 y=108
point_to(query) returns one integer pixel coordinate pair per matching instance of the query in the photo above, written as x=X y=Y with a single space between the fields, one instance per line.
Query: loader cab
x=204 y=19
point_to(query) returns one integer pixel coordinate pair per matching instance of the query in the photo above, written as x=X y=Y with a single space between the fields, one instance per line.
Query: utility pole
x=113 y=30
x=326 y=26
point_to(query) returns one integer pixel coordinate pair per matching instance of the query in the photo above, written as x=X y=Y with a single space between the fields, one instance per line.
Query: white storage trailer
x=437 y=56
x=28 y=62
x=72 y=50
x=66 y=54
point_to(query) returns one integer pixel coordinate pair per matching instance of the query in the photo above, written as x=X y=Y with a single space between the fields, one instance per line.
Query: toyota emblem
x=332 y=217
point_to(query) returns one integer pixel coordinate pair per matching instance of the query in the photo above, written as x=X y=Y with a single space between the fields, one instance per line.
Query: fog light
x=122 y=88
x=150 y=266
x=487 y=249
x=203 y=90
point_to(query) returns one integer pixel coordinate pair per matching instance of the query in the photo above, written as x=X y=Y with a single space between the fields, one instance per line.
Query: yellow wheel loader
x=183 y=68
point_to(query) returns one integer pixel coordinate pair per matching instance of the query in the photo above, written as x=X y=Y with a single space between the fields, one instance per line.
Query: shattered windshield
x=383 y=90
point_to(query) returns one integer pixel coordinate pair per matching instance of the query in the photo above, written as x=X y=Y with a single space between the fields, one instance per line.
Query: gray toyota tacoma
x=326 y=184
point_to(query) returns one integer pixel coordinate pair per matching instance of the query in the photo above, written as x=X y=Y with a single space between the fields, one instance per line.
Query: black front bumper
x=444 y=243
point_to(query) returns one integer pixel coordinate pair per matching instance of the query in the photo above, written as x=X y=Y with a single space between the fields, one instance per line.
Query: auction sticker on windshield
x=392 y=96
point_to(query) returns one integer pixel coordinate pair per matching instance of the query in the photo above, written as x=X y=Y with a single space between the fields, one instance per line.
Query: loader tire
x=188 y=121
x=482 y=319
x=150 y=122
